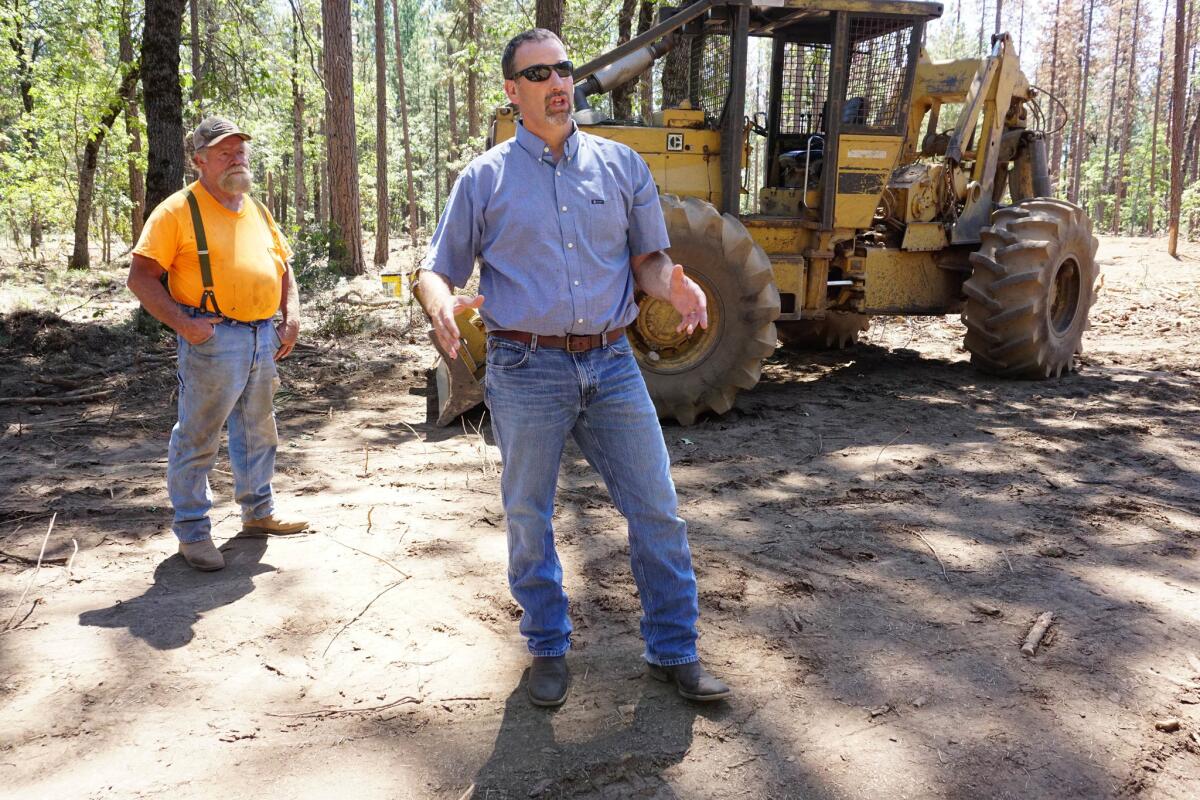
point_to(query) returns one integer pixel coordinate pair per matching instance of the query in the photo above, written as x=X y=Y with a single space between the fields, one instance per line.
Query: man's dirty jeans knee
x=538 y=397
x=230 y=377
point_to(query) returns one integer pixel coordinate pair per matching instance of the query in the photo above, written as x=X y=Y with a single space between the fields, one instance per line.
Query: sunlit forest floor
x=874 y=531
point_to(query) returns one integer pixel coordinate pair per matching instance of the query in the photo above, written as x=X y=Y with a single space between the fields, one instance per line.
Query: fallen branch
x=359 y=614
x=62 y=383
x=10 y=626
x=339 y=712
x=380 y=559
x=1036 y=633
x=921 y=536
x=55 y=401
x=54 y=560
x=875 y=469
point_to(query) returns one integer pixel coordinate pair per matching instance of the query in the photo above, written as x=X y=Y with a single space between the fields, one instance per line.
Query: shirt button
x=570 y=245
x=545 y=149
x=579 y=321
x=576 y=283
x=559 y=174
x=564 y=208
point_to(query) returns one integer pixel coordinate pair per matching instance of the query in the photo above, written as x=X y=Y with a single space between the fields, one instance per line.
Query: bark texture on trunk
x=80 y=258
x=300 y=191
x=137 y=182
x=1127 y=119
x=164 y=99
x=622 y=96
x=1162 y=51
x=403 y=102
x=1056 y=144
x=1177 y=101
x=1081 y=121
x=345 y=222
x=381 y=145
x=550 y=15
x=646 y=82
x=472 y=78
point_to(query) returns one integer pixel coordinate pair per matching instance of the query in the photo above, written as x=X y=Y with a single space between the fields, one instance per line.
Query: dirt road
x=873 y=532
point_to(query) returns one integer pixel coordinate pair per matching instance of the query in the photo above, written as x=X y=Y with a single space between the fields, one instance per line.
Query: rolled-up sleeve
x=456 y=241
x=647 y=228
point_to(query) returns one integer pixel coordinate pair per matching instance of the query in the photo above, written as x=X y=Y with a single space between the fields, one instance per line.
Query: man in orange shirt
x=227 y=275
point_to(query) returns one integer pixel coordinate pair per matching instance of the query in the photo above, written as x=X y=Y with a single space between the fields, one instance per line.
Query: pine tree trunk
x=1177 y=100
x=437 y=148
x=452 y=122
x=999 y=6
x=300 y=203
x=197 y=90
x=403 y=102
x=1127 y=121
x=646 y=82
x=341 y=141
x=550 y=15
x=1056 y=144
x=381 y=144
x=80 y=258
x=472 y=78
x=1158 y=82
x=164 y=99
x=1081 y=121
x=1189 y=107
x=1112 y=107
x=675 y=78
x=622 y=96
x=137 y=184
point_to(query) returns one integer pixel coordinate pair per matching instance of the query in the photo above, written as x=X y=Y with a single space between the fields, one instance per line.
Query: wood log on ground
x=1036 y=633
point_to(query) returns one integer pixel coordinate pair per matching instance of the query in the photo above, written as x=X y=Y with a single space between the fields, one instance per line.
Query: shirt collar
x=537 y=148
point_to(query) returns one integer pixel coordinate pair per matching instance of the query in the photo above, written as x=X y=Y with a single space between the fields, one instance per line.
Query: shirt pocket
x=606 y=222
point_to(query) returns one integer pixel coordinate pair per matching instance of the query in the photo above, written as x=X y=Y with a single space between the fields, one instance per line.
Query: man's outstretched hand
x=688 y=300
x=442 y=313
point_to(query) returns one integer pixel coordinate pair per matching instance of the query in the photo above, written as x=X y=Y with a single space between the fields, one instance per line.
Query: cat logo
x=674 y=142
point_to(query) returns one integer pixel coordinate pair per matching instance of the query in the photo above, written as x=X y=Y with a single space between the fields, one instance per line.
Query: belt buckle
x=574 y=337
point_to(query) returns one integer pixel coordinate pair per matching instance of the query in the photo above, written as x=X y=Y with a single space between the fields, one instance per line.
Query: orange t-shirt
x=247 y=252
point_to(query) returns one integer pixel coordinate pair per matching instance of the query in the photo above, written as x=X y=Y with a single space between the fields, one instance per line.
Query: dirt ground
x=873 y=531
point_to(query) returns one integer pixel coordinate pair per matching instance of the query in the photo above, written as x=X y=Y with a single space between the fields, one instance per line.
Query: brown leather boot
x=274 y=525
x=202 y=555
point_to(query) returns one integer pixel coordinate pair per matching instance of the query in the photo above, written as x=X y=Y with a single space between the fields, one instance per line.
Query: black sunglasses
x=540 y=72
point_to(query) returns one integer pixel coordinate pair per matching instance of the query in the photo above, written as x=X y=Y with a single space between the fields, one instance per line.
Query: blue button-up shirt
x=554 y=240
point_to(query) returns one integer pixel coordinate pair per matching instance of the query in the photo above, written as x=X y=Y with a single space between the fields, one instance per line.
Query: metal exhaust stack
x=615 y=75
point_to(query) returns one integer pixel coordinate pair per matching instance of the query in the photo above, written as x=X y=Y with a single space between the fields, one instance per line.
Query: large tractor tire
x=688 y=375
x=1031 y=287
x=839 y=330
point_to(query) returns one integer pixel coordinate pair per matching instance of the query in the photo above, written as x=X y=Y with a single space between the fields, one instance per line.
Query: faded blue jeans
x=230 y=377
x=538 y=396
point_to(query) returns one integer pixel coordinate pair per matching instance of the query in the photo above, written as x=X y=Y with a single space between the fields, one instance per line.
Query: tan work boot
x=275 y=525
x=202 y=555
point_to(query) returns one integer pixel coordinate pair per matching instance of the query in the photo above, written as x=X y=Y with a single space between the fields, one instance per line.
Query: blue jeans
x=230 y=377
x=539 y=395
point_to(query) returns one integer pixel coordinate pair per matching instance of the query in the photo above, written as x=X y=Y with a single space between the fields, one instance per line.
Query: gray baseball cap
x=213 y=130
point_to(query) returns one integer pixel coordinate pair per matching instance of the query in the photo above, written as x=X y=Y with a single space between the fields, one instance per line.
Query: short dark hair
x=510 y=50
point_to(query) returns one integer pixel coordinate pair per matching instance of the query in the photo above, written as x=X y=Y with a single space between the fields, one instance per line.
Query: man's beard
x=236 y=180
x=558 y=117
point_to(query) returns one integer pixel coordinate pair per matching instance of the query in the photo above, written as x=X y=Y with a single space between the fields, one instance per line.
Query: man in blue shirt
x=564 y=225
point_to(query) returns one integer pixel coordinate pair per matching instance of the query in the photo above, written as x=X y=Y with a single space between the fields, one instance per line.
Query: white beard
x=236 y=181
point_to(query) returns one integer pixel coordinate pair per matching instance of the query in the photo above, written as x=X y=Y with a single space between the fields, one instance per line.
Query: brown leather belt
x=572 y=343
